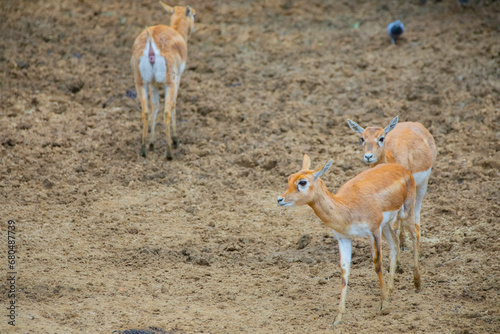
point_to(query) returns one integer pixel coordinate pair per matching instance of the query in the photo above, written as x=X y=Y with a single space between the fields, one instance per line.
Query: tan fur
x=172 y=43
x=409 y=144
x=360 y=202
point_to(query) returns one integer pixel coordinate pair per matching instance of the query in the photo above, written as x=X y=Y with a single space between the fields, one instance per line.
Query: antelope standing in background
x=365 y=206
x=159 y=57
x=409 y=144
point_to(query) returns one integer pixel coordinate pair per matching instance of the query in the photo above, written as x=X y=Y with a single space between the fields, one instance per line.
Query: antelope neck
x=182 y=28
x=328 y=208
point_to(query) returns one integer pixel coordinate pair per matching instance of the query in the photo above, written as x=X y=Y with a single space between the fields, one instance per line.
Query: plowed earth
x=108 y=240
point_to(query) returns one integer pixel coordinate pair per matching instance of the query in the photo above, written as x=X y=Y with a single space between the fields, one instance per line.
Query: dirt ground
x=108 y=240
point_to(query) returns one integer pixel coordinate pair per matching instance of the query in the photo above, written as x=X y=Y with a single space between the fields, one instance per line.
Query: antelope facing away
x=409 y=144
x=159 y=57
x=365 y=206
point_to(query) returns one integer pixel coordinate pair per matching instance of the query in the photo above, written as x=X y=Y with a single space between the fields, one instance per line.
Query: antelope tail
x=151 y=54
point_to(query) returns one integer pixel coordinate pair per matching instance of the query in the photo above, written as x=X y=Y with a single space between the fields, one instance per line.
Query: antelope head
x=181 y=15
x=373 y=140
x=303 y=185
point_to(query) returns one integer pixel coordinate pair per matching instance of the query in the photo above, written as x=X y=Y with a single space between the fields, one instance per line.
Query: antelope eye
x=302 y=183
x=381 y=139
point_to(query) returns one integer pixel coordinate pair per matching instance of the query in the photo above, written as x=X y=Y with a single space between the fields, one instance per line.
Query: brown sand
x=108 y=240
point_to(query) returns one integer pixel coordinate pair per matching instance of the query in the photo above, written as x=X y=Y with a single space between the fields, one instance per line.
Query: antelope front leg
x=143 y=97
x=169 y=98
x=345 y=249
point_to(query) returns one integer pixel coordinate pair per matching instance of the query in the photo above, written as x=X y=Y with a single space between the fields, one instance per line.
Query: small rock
x=80 y=169
x=322 y=281
x=24 y=126
x=232 y=248
x=202 y=262
x=47 y=184
x=23 y=64
x=10 y=142
x=132 y=94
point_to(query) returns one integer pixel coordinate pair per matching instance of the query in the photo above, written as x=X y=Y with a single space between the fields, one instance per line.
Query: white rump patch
x=421 y=178
x=157 y=72
x=389 y=216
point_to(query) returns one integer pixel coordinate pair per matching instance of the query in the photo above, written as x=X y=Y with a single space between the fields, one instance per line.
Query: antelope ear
x=306 y=163
x=355 y=127
x=188 y=11
x=322 y=170
x=391 y=125
x=167 y=7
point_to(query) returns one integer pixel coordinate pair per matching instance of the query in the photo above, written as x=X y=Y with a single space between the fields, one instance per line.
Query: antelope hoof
x=143 y=151
x=385 y=310
x=338 y=319
x=168 y=155
x=175 y=141
x=417 y=283
x=151 y=147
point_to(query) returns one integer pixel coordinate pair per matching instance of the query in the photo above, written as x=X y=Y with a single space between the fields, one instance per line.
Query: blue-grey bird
x=395 y=29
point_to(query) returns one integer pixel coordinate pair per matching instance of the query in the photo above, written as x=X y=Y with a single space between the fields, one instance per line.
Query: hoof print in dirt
x=75 y=85
x=304 y=240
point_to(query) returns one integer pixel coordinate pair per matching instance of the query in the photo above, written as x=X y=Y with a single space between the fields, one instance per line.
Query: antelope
x=409 y=144
x=159 y=56
x=365 y=206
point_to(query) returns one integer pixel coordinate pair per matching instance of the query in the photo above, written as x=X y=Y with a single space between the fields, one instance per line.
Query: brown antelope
x=409 y=144
x=159 y=57
x=365 y=206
